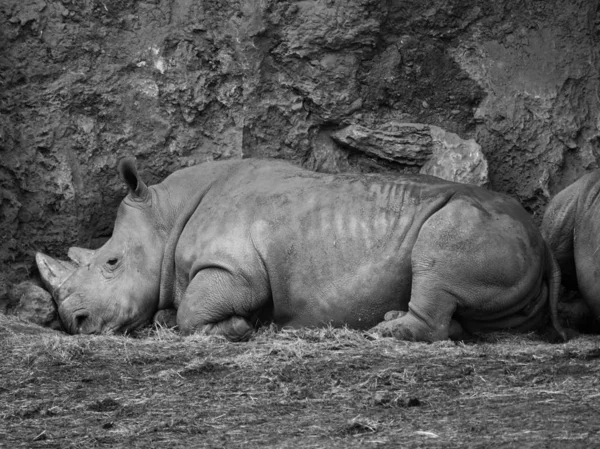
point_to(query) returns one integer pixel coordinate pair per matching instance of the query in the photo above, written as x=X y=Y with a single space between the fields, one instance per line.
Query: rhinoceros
x=571 y=227
x=239 y=243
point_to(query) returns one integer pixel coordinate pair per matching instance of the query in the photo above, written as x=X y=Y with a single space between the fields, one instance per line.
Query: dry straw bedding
x=306 y=388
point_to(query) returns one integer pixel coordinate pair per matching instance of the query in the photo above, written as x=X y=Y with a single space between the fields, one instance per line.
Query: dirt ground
x=323 y=388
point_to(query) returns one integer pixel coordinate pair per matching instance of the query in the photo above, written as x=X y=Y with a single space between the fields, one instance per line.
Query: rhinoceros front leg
x=217 y=302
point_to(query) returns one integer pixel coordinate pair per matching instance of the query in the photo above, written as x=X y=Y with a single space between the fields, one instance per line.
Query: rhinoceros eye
x=110 y=267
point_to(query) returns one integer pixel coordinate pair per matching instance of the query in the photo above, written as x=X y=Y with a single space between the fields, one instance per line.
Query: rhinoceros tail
x=552 y=274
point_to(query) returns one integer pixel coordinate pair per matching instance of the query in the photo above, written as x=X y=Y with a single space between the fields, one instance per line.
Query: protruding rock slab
x=404 y=143
x=436 y=151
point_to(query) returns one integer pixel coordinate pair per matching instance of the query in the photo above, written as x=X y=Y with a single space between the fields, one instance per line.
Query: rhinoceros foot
x=393 y=314
x=392 y=328
x=166 y=318
x=235 y=328
x=404 y=326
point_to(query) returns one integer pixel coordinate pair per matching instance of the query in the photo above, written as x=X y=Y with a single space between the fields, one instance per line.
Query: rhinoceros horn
x=53 y=272
x=81 y=256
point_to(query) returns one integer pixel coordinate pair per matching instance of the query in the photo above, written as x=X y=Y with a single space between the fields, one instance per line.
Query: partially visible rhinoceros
x=238 y=243
x=571 y=226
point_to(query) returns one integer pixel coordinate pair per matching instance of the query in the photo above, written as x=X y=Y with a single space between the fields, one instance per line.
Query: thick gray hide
x=570 y=226
x=235 y=244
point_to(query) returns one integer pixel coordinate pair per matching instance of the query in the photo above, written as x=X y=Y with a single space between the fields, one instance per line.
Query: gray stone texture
x=178 y=82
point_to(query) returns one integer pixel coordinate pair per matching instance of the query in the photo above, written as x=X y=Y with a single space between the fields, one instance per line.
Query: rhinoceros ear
x=129 y=175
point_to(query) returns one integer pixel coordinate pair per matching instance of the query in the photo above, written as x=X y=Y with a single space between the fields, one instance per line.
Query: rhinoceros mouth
x=80 y=321
x=127 y=326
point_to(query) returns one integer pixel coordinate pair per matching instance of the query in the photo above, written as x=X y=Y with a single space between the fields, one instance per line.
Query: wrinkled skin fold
x=571 y=226
x=235 y=244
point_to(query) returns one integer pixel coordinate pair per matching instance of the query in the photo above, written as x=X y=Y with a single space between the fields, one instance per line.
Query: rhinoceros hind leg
x=487 y=266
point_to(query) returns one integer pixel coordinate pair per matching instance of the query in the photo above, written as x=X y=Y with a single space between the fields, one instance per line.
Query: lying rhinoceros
x=571 y=226
x=238 y=243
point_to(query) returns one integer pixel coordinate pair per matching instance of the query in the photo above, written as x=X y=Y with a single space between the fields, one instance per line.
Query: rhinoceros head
x=116 y=287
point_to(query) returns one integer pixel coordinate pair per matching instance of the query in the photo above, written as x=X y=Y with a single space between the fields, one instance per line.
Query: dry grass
x=306 y=388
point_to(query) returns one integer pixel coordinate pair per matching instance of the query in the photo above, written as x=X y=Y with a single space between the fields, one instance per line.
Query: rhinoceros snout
x=78 y=322
x=82 y=323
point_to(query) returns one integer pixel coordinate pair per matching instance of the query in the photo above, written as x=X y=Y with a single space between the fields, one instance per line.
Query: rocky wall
x=178 y=82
